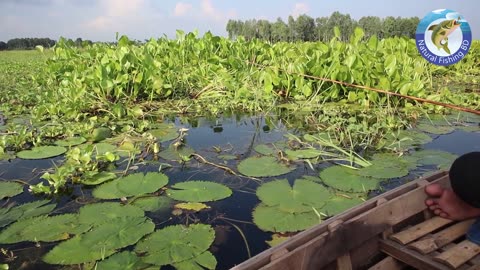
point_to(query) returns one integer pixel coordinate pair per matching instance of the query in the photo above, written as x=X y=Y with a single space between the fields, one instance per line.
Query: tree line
x=306 y=28
x=31 y=43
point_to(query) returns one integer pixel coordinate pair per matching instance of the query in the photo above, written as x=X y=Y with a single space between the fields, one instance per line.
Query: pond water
x=209 y=138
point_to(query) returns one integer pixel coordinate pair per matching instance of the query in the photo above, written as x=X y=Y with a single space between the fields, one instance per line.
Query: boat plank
x=409 y=256
x=388 y=263
x=413 y=233
x=458 y=255
x=442 y=238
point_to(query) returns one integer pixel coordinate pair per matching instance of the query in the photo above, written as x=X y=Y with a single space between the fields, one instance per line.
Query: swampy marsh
x=200 y=152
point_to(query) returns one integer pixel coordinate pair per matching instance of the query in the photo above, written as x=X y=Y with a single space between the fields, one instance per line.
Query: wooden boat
x=391 y=231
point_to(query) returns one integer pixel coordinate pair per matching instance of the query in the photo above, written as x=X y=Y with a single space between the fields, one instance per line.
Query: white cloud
x=181 y=9
x=299 y=9
x=209 y=11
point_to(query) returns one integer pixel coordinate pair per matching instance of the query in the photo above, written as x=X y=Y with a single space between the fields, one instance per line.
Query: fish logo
x=441 y=32
x=443 y=37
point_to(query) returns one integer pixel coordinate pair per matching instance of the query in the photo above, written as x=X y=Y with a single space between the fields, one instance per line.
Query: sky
x=99 y=20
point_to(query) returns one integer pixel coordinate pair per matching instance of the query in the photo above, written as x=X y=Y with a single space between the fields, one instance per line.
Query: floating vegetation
x=153 y=203
x=346 y=179
x=289 y=209
x=131 y=185
x=101 y=242
x=303 y=153
x=43 y=229
x=443 y=160
x=198 y=191
x=195 y=207
x=166 y=133
x=263 y=167
x=123 y=260
x=10 y=189
x=100 y=134
x=180 y=246
x=405 y=139
x=341 y=202
x=176 y=153
x=72 y=141
x=24 y=211
x=264 y=149
x=99 y=213
x=387 y=166
x=42 y=152
x=99 y=178
x=439 y=130
x=276 y=240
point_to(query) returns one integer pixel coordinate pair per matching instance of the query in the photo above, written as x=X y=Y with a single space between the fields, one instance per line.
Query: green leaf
x=346 y=179
x=264 y=149
x=10 y=189
x=165 y=133
x=405 y=139
x=202 y=261
x=297 y=199
x=441 y=159
x=176 y=244
x=100 y=134
x=154 y=203
x=43 y=229
x=24 y=211
x=273 y=219
x=199 y=191
x=100 y=242
x=440 y=130
x=99 y=213
x=131 y=185
x=176 y=154
x=339 y=203
x=99 y=178
x=69 y=142
x=124 y=260
x=42 y=152
x=386 y=166
x=277 y=239
x=303 y=153
x=263 y=167
x=195 y=207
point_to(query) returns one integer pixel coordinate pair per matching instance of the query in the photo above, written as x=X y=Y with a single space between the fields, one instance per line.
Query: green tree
x=305 y=28
x=280 y=31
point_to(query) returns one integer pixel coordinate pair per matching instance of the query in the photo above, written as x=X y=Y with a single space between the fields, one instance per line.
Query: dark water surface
x=236 y=136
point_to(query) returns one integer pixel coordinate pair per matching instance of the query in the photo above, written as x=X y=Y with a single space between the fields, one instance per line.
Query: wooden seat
x=434 y=244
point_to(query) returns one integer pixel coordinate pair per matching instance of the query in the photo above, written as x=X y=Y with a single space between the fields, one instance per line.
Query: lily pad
x=100 y=134
x=405 y=139
x=43 y=229
x=124 y=260
x=273 y=219
x=99 y=213
x=465 y=128
x=264 y=149
x=69 y=142
x=176 y=154
x=441 y=159
x=303 y=153
x=297 y=199
x=42 y=152
x=341 y=202
x=100 y=242
x=127 y=148
x=176 y=244
x=99 y=178
x=346 y=179
x=154 y=203
x=199 y=191
x=24 y=211
x=277 y=239
x=103 y=148
x=165 y=134
x=263 y=167
x=387 y=166
x=131 y=185
x=439 y=130
x=10 y=189
x=196 y=207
